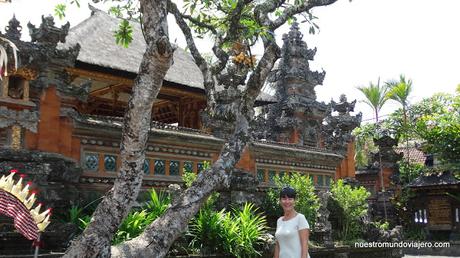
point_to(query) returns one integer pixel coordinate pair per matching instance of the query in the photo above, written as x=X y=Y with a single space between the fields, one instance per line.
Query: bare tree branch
x=257 y=78
x=199 y=23
x=221 y=55
x=209 y=83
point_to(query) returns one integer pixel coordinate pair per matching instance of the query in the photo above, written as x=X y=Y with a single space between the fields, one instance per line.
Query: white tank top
x=287 y=235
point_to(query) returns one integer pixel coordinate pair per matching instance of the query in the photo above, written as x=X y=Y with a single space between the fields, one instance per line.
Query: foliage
x=189 y=177
x=136 y=221
x=132 y=226
x=399 y=91
x=307 y=202
x=364 y=144
x=353 y=202
x=238 y=232
x=124 y=34
x=409 y=171
x=157 y=203
x=401 y=203
x=441 y=132
x=415 y=233
x=381 y=225
x=375 y=96
x=76 y=215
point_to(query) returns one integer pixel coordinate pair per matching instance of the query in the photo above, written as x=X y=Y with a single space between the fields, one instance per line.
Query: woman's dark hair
x=288 y=191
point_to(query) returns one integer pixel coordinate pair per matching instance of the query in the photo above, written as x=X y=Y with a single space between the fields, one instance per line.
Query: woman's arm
x=277 y=250
x=304 y=233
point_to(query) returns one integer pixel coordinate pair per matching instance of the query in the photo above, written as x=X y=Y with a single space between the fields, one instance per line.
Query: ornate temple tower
x=297 y=116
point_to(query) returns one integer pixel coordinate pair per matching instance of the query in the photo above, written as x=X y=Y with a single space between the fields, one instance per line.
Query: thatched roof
x=96 y=38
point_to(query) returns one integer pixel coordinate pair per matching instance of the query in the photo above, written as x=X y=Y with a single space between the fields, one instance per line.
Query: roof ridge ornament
x=14 y=29
x=48 y=33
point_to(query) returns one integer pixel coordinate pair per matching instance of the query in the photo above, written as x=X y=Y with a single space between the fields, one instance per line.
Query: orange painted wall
x=54 y=132
x=247 y=162
x=347 y=166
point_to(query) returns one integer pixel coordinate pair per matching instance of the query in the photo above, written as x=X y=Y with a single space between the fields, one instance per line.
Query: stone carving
x=42 y=60
x=14 y=29
x=386 y=153
x=47 y=33
x=222 y=120
x=336 y=129
x=297 y=116
x=25 y=118
x=323 y=227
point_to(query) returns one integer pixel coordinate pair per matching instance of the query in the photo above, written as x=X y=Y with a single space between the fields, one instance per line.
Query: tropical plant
x=375 y=96
x=399 y=92
x=157 y=203
x=136 y=221
x=133 y=225
x=250 y=228
x=307 y=201
x=238 y=232
x=205 y=231
x=353 y=203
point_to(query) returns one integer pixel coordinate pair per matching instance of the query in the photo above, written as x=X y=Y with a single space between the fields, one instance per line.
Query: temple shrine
x=67 y=97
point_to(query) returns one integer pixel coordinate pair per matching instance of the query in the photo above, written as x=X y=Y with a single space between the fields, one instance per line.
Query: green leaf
x=124 y=34
x=59 y=11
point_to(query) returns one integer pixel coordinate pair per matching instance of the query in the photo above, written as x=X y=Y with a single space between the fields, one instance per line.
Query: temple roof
x=435 y=180
x=96 y=38
x=415 y=155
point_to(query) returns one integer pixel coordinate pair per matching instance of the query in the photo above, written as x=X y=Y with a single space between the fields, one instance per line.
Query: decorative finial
x=14 y=28
x=47 y=33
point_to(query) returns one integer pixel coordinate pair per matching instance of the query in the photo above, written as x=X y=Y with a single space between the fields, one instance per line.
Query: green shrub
x=352 y=204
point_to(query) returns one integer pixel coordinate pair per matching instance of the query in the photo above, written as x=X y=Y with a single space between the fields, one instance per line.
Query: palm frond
x=400 y=90
x=375 y=95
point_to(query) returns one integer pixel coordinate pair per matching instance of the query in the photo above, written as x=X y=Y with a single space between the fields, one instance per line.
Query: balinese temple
x=67 y=97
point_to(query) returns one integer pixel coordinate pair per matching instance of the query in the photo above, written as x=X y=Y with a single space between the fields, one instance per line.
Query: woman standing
x=292 y=229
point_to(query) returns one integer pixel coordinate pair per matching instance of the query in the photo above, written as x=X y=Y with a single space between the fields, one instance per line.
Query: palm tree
x=399 y=91
x=376 y=96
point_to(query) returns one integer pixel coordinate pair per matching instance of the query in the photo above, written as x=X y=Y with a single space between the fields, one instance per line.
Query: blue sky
x=359 y=41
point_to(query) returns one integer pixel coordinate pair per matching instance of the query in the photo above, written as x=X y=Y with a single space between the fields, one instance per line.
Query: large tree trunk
x=156 y=240
x=95 y=240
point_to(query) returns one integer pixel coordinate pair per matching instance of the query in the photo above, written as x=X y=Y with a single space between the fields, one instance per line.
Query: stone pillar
x=25 y=94
x=5 y=83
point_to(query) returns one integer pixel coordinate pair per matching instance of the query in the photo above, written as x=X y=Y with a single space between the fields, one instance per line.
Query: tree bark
x=156 y=240
x=95 y=241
